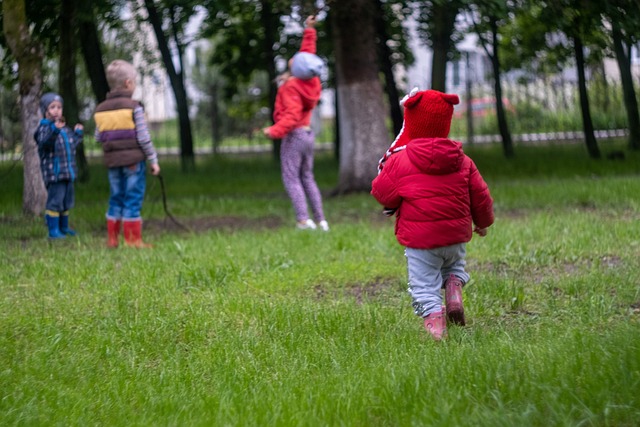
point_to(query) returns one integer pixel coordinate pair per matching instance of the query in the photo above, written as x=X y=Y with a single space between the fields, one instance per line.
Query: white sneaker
x=307 y=225
x=324 y=225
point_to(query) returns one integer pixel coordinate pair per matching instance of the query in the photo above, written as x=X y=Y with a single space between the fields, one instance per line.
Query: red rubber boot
x=133 y=234
x=113 y=232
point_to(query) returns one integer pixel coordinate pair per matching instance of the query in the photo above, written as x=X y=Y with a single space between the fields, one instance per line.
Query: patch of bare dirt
x=202 y=224
x=539 y=274
x=360 y=291
x=621 y=214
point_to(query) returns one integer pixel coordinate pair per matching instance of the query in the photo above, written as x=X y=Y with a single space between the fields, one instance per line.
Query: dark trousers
x=60 y=196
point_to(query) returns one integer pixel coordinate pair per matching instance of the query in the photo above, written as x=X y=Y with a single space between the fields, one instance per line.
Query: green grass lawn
x=246 y=321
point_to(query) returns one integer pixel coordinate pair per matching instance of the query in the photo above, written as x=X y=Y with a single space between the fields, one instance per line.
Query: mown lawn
x=244 y=320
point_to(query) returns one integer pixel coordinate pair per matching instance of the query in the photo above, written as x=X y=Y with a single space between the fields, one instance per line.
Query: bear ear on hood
x=412 y=99
x=451 y=98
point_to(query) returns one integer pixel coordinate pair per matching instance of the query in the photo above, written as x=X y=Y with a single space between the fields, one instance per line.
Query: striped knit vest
x=117 y=129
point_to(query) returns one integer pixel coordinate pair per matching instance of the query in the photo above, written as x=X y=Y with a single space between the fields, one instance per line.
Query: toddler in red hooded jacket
x=439 y=199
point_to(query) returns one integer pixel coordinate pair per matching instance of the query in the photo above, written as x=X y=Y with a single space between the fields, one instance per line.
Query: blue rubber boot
x=64 y=225
x=53 y=223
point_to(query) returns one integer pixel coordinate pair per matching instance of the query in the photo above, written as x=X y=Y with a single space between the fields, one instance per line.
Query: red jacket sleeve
x=291 y=112
x=309 y=37
x=384 y=187
x=481 y=201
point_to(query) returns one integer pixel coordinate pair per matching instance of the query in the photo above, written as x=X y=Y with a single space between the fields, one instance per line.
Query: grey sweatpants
x=296 y=161
x=428 y=268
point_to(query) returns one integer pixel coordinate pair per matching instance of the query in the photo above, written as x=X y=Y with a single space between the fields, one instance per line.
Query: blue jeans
x=428 y=268
x=60 y=196
x=127 y=185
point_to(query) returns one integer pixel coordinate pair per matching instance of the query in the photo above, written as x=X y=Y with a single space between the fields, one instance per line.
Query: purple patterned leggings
x=296 y=160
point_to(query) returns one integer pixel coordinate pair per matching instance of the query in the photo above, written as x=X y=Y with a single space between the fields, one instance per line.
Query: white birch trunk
x=34 y=193
x=364 y=136
x=29 y=57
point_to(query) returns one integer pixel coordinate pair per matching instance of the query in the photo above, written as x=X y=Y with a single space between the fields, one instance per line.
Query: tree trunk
x=630 y=101
x=67 y=78
x=92 y=50
x=29 y=57
x=469 y=96
x=587 y=124
x=443 y=19
x=67 y=63
x=267 y=17
x=507 y=143
x=363 y=133
x=386 y=66
x=177 y=84
x=604 y=89
x=336 y=124
x=216 y=135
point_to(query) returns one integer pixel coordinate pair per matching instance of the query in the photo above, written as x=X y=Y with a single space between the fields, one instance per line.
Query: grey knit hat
x=47 y=99
x=306 y=65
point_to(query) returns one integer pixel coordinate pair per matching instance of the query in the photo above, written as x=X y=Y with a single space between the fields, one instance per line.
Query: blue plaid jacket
x=57 y=150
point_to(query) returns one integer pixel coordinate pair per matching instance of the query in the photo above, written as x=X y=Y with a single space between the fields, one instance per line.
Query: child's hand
x=389 y=211
x=78 y=127
x=155 y=169
x=60 y=122
x=480 y=231
x=266 y=132
x=310 y=22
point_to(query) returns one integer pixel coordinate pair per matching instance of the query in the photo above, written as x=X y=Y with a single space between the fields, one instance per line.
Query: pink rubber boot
x=453 y=300
x=436 y=324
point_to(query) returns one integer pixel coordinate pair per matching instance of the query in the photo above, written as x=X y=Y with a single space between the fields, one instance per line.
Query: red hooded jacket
x=296 y=98
x=438 y=191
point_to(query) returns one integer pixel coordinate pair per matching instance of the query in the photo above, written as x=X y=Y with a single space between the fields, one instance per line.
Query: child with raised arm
x=121 y=129
x=298 y=94
x=57 y=145
x=439 y=198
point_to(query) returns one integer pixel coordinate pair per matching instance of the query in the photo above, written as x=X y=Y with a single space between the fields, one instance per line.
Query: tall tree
x=207 y=80
x=67 y=65
x=92 y=49
x=67 y=79
x=487 y=16
x=29 y=56
x=363 y=133
x=554 y=34
x=587 y=122
x=577 y=19
x=256 y=25
x=175 y=15
x=436 y=26
x=624 y=19
x=390 y=32
x=55 y=28
x=269 y=21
